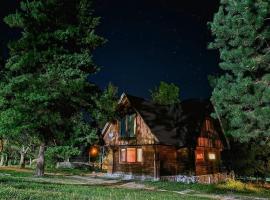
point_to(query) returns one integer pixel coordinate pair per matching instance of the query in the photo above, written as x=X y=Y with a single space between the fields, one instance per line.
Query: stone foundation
x=203 y=179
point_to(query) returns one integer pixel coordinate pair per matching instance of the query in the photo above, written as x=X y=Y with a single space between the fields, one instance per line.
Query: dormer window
x=128 y=126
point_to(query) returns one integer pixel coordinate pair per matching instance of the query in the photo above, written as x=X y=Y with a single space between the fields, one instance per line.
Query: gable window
x=128 y=126
x=131 y=155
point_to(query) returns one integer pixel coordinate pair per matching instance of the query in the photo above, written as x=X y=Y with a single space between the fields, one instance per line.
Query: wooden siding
x=208 y=142
x=175 y=161
x=143 y=134
x=207 y=166
x=146 y=167
x=161 y=160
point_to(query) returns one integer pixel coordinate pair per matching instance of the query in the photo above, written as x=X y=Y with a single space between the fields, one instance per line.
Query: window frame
x=203 y=156
x=126 y=155
x=125 y=123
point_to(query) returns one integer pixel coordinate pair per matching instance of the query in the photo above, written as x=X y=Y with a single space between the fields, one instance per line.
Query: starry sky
x=150 y=41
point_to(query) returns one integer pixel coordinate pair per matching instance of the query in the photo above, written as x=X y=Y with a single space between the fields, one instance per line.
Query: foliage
x=248 y=159
x=106 y=105
x=104 y=111
x=166 y=94
x=56 y=154
x=84 y=133
x=238 y=186
x=44 y=86
x=241 y=96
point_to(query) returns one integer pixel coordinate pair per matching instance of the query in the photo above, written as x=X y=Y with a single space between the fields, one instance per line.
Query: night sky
x=150 y=41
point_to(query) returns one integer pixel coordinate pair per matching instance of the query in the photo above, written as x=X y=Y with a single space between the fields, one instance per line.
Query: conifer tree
x=241 y=96
x=45 y=87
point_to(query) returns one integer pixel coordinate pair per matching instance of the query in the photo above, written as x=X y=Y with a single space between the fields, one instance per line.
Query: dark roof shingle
x=177 y=125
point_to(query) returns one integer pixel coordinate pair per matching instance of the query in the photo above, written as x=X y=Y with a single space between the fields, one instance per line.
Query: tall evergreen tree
x=45 y=87
x=241 y=95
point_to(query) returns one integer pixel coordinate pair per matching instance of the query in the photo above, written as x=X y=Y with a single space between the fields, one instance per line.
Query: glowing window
x=199 y=156
x=123 y=155
x=139 y=155
x=212 y=156
x=131 y=154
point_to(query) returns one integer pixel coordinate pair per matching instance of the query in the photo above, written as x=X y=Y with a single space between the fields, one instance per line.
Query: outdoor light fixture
x=93 y=151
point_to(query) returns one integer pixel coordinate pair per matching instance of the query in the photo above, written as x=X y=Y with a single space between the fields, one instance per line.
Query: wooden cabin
x=152 y=140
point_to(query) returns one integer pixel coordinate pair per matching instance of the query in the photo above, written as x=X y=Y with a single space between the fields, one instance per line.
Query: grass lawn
x=18 y=186
x=235 y=188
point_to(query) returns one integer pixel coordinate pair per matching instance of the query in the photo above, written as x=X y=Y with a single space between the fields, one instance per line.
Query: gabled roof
x=178 y=125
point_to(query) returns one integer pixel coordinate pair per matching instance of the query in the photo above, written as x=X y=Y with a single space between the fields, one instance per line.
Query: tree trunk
x=40 y=161
x=22 y=161
x=2 y=160
x=6 y=163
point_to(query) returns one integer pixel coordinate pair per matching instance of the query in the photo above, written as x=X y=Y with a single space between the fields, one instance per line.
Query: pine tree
x=45 y=87
x=241 y=95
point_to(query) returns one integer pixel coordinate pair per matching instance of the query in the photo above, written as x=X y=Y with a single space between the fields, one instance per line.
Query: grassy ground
x=235 y=188
x=13 y=188
x=17 y=185
x=20 y=184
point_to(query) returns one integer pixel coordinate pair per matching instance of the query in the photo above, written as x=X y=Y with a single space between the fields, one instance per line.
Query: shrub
x=59 y=154
x=238 y=186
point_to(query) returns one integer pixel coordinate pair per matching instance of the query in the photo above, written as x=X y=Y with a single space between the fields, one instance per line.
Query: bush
x=60 y=154
x=238 y=186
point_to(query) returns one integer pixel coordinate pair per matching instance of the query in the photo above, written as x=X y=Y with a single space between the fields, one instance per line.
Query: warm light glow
x=199 y=156
x=123 y=155
x=131 y=154
x=139 y=155
x=93 y=151
x=212 y=156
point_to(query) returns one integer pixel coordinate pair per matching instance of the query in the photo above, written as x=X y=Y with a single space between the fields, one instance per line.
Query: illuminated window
x=212 y=156
x=139 y=155
x=200 y=156
x=131 y=154
x=123 y=155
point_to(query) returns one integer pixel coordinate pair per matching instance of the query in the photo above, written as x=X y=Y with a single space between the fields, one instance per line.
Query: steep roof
x=177 y=125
